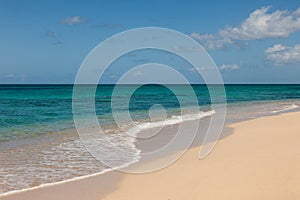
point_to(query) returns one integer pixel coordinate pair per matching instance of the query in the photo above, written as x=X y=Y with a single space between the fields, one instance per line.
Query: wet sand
x=260 y=160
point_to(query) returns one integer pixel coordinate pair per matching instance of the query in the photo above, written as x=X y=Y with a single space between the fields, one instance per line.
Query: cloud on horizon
x=261 y=24
x=224 y=67
x=281 y=55
x=229 y=67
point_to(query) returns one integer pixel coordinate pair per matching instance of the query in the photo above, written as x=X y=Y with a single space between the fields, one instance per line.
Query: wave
x=286 y=108
x=175 y=119
x=124 y=140
x=62 y=182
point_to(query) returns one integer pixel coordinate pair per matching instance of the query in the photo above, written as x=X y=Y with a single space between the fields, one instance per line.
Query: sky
x=251 y=41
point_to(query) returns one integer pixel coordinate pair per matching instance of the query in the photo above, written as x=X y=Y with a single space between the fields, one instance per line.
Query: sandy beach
x=150 y=100
x=259 y=160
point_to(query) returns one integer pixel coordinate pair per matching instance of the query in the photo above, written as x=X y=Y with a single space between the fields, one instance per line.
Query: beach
x=144 y=100
x=259 y=160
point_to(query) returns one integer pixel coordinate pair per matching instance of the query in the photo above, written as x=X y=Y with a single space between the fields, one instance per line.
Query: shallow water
x=40 y=144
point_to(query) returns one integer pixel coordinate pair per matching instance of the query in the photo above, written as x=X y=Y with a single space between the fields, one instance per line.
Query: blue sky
x=250 y=41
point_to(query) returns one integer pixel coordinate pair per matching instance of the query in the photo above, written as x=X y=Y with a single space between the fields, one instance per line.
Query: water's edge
x=279 y=112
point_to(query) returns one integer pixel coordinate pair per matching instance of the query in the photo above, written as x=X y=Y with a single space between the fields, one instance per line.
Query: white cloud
x=179 y=49
x=193 y=69
x=197 y=36
x=74 y=20
x=222 y=67
x=260 y=24
x=276 y=47
x=229 y=67
x=212 y=42
x=281 y=55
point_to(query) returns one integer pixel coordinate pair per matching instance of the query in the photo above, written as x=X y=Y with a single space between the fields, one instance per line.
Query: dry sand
x=260 y=160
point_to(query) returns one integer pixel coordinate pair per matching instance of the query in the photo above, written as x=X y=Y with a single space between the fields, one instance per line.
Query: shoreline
x=31 y=193
x=244 y=165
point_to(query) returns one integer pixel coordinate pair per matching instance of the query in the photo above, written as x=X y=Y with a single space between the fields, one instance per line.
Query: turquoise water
x=30 y=157
x=28 y=110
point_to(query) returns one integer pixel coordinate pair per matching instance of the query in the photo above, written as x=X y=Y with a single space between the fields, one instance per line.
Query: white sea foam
x=69 y=151
x=286 y=108
x=64 y=181
x=169 y=121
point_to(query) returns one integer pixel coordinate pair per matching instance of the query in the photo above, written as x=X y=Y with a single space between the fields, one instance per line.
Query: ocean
x=39 y=143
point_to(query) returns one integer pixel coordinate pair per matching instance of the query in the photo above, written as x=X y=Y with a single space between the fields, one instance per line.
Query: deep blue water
x=27 y=110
